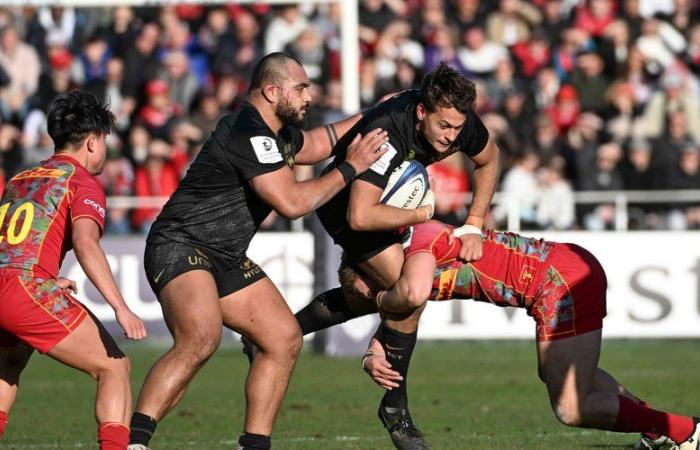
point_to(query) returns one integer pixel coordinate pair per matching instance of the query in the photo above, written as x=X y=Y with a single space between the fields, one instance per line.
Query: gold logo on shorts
x=200 y=259
x=250 y=268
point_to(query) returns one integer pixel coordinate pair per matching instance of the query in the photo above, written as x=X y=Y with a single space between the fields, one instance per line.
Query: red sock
x=3 y=422
x=113 y=436
x=632 y=416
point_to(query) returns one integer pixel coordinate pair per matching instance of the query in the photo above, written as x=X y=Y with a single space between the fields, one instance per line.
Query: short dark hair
x=271 y=69
x=445 y=87
x=76 y=115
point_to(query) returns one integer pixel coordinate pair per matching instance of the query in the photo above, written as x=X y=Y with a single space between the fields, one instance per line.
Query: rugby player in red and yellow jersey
x=44 y=212
x=563 y=287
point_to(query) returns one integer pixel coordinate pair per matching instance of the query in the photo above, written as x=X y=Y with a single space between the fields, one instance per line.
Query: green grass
x=464 y=395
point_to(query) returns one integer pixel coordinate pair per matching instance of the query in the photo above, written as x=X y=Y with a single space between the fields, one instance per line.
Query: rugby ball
x=407 y=186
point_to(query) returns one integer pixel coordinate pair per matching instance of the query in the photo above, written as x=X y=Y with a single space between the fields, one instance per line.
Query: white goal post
x=350 y=49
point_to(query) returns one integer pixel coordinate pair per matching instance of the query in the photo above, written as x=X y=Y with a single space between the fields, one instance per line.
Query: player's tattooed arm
x=320 y=142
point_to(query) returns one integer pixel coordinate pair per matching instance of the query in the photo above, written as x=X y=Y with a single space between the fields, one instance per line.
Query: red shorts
x=36 y=311
x=570 y=296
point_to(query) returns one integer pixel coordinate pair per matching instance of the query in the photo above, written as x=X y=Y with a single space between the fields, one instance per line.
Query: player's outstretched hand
x=379 y=369
x=131 y=324
x=66 y=284
x=365 y=150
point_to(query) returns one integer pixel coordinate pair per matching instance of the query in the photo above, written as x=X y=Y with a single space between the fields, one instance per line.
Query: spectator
x=93 y=60
x=284 y=28
x=123 y=31
x=679 y=93
x=10 y=150
x=111 y=91
x=554 y=21
x=141 y=64
x=207 y=113
x=659 y=43
x=57 y=81
x=181 y=81
x=532 y=55
x=622 y=111
x=605 y=176
x=155 y=178
x=555 y=200
x=21 y=63
x=59 y=24
x=406 y=77
x=117 y=179
x=564 y=113
x=519 y=187
x=479 y=55
x=443 y=49
x=590 y=82
x=512 y=22
x=546 y=140
x=157 y=114
x=468 y=13
x=394 y=43
x=685 y=175
x=594 y=16
x=311 y=51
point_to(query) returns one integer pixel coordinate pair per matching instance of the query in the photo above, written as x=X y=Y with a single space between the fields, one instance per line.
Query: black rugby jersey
x=214 y=206
x=397 y=116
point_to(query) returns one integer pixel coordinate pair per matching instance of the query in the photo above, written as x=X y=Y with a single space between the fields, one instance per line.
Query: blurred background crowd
x=580 y=95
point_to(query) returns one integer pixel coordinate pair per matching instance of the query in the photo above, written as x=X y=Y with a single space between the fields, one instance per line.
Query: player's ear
x=90 y=143
x=271 y=92
x=420 y=111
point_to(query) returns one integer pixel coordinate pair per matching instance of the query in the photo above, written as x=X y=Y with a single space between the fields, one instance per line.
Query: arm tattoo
x=332 y=135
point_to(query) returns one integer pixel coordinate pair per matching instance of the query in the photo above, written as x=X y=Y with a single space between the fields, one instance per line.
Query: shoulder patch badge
x=266 y=149
x=382 y=163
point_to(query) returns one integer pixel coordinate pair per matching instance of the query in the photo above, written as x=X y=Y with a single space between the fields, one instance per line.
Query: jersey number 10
x=26 y=212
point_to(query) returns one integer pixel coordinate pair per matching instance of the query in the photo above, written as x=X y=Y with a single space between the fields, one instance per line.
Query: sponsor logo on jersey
x=100 y=210
x=382 y=164
x=527 y=275
x=40 y=172
x=266 y=149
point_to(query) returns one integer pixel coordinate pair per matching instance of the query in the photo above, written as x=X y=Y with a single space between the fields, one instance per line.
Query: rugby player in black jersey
x=195 y=257
x=426 y=125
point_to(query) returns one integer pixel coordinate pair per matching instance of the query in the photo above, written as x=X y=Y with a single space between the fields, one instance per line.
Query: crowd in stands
x=580 y=95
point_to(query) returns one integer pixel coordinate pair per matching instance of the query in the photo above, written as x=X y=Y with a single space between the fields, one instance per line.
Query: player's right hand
x=365 y=150
x=428 y=204
x=131 y=324
x=379 y=369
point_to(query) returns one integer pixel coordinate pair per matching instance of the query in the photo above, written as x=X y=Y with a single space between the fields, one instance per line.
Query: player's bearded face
x=291 y=110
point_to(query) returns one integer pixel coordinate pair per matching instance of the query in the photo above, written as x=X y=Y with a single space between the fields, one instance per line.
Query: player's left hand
x=65 y=283
x=379 y=369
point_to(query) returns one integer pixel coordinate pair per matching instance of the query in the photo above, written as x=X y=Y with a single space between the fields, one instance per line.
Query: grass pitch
x=464 y=395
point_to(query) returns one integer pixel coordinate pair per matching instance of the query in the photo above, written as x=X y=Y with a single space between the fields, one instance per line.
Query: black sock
x=399 y=348
x=142 y=428
x=327 y=309
x=255 y=441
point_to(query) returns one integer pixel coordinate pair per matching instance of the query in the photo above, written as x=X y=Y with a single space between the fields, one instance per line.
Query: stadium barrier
x=654 y=288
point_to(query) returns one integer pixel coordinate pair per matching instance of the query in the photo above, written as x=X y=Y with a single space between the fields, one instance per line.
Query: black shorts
x=362 y=245
x=163 y=262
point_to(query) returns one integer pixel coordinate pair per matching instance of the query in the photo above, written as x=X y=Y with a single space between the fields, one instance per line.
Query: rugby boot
x=137 y=447
x=652 y=443
x=249 y=349
x=401 y=428
x=693 y=442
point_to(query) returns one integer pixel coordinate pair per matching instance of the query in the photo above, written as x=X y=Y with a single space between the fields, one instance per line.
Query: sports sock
x=327 y=309
x=633 y=416
x=113 y=436
x=399 y=348
x=142 y=428
x=3 y=422
x=251 y=441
